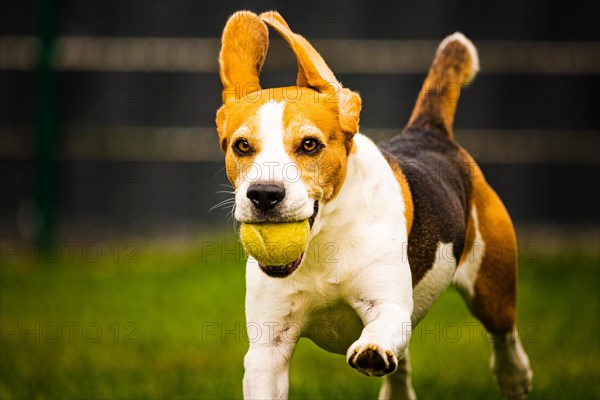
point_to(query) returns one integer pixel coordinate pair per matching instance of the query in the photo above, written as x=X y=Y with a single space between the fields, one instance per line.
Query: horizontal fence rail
x=199 y=55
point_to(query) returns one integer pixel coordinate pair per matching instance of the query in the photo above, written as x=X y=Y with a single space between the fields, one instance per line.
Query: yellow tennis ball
x=275 y=244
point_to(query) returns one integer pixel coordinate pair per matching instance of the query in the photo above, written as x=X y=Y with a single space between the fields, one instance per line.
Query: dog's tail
x=455 y=65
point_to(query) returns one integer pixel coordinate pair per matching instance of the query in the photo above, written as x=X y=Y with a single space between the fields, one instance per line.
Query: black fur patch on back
x=440 y=184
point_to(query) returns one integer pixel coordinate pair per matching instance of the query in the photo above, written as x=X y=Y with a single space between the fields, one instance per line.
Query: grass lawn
x=153 y=321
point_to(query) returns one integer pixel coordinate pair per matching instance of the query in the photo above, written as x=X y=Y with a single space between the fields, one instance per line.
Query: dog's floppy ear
x=313 y=72
x=243 y=50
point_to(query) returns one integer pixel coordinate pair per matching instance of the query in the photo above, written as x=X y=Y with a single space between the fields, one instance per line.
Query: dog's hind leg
x=398 y=385
x=510 y=365
x=487 y=280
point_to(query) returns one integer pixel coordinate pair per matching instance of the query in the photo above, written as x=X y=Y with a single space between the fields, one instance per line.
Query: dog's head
x=285 y=148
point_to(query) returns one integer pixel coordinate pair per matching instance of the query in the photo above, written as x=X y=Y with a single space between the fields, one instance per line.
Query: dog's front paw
x=372 y=359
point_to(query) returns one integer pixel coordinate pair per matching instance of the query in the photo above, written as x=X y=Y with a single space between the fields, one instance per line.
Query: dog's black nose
x=265 y=196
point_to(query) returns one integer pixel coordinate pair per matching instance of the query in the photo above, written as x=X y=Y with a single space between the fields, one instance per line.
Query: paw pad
x=370 y=360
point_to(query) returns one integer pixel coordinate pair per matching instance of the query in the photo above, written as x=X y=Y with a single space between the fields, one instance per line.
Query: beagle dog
x=391 y=224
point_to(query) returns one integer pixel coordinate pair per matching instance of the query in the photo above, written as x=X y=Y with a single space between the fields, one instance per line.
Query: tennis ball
x=275 y=244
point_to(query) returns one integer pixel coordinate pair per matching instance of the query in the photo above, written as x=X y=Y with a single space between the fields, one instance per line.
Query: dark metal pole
x=46 y=120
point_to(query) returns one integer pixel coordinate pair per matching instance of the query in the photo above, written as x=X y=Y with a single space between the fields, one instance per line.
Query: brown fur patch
x=494 y=302
x=406 y=195
x=235 y=116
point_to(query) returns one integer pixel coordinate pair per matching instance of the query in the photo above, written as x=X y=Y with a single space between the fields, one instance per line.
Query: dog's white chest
x=318 y=302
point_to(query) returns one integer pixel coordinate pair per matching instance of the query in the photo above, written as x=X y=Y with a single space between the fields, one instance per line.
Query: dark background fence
x=137 y=89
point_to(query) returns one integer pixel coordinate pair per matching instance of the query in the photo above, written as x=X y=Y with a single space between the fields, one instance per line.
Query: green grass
x=173 y=327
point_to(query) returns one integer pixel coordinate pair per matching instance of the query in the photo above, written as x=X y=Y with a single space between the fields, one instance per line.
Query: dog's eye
x=310 y=146
x=242 y=147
